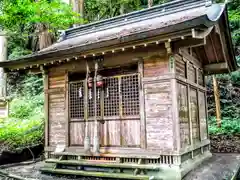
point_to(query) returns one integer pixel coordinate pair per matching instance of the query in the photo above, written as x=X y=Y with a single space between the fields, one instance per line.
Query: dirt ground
x=219 y=167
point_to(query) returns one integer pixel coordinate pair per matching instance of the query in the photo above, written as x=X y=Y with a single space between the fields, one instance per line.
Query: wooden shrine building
x=126 y=97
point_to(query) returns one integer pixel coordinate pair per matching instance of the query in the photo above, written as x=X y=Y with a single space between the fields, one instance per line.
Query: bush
x=25 y=125
x=229 y=126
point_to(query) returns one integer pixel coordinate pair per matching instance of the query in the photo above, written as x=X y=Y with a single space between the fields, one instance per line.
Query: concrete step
x=104 y=164
x=96 y=174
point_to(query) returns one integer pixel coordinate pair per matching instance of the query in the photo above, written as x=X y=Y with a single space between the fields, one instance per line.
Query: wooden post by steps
x=217 y=101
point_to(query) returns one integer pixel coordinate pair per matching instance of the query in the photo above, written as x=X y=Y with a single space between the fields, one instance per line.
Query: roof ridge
x=155 y=11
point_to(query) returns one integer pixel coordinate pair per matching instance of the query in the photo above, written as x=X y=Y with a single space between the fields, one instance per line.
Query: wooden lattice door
x=117 y=111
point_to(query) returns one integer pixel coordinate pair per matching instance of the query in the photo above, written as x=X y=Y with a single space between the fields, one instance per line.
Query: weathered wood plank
x=77 y=133
x=57 y=106
x=66 y=109
x=142 y=106
x=46 y=108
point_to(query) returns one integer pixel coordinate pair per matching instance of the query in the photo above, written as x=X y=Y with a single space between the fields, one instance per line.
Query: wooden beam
x=200 y=34
x=96 y=139
x=46 y=106
x=215 y=67
x=189 y=108
x=217 y=101
x=67 y=132
x=224 y=45
x=142 y=105
x=187 y=43
x=86 y=137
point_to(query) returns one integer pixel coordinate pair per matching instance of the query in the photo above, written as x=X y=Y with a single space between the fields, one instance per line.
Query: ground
x=219 y=167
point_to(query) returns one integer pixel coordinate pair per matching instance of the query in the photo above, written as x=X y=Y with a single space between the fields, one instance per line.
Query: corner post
x=174 y=94
x=46 y=104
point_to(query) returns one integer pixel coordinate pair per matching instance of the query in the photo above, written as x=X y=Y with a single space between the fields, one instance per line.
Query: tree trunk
x=217 y=101
x=78 y=7
x=121 y=9
x=45 y=39
x=150 y=3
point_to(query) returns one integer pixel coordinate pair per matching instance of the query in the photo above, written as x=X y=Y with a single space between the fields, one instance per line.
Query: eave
x=164 y=27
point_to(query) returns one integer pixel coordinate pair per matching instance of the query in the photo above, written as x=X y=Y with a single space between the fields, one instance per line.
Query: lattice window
x=76 y=97
x=91 y=112
x=130 y=95
x=119 y=97
x=111 y=96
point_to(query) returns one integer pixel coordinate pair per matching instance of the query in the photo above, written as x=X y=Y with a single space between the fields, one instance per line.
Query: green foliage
x=24 y=85
x=229 y=126
x=25 y=125
x=27 y=107
x=103 y=9
x=19 y=18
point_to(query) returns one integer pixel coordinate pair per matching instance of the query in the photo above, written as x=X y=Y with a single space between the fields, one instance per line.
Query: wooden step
x=127 y=155
x=104 y=164
x=96 y=174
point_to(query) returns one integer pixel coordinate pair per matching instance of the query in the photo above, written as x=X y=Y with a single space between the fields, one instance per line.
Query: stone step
x=96 y=174
x=104 y=164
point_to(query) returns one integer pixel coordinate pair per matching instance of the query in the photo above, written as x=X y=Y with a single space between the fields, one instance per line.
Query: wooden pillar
x=174 y=94
x=217 y=101
x=189 y=106
x=96 y=143
x=86 y=138
x=66 y=110
x=46 y=105
x=142 y=105
x=198 y=105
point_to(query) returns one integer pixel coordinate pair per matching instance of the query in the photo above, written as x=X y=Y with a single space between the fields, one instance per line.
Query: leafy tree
x=27 y=21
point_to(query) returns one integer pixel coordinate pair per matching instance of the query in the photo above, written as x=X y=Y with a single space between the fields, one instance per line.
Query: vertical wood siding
x=194 y=116
x=158 y=106
x=202 y=115
x=57 y=121
x=183 y=115
x=159 y=116
x=180 y=66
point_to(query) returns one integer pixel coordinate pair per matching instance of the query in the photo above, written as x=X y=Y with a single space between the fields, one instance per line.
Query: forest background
x=32 y=25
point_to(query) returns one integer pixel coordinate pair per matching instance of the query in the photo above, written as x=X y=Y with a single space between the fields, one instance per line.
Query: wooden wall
x=165 y=127
x=57 y=104
x=122 y=133
x=158 y=104
x=191 y=99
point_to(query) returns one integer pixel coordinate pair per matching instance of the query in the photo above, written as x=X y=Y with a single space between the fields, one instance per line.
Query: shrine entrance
x=117 y=107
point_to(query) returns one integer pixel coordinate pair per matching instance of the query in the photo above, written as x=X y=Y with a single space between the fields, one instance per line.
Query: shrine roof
x=162 y=20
